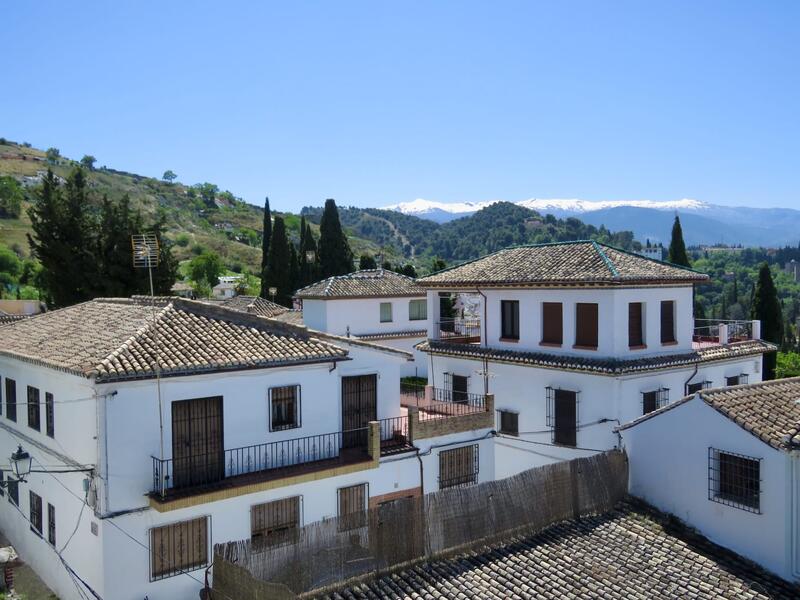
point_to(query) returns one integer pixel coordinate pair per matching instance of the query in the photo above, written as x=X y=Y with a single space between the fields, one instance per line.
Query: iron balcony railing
x=451 y=403
x=460 y=331
x=717 y=331
x=411 y=394
x=394 y=433
x=212 y=468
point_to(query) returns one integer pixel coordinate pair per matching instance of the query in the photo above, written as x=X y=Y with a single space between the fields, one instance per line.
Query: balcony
x=715 y=332
x=394 y=435
x=458 y=331
x=437 y=411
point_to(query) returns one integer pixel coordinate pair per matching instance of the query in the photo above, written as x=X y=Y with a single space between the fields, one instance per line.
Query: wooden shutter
x=509 y=315
x=197 y=442
x=667 y=321
x=649 y=402
x=275 y=522
x=352 y=506
x=565 y=409
x=552 y=323
x=50 y=418
x=586 y=325
x=178 y=547
x=34 y=412
x=11 y=399
x=635 y=331
x=509 y=422
x=51 y=524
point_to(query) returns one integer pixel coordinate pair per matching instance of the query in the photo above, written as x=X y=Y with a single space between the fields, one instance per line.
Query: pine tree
x=117 y=276
x=277 y=272
x=265 y=246
x=677 y=249
x=366 y=261
x=336 y=258
x=767 y=309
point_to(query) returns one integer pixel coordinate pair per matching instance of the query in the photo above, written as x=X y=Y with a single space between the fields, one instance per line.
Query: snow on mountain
x=422 y=207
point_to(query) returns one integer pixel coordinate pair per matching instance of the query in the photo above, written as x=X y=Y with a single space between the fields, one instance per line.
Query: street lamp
x=21 y=465
x=272 y=291
x=310 y=255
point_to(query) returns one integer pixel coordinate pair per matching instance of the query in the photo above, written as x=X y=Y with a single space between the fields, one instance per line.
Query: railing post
x=756 y=333
x=413 y=421
x=489 y=400
x=374 y=440
x=723 y=333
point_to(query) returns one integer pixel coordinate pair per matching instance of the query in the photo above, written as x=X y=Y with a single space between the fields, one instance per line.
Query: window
x=275 y=523
x=667 y=322
x=2 y=487
x=562 y=416
x=284 y=407
x=36 y=512
x=734 y=480
x=353 y=506
x=386 y=312
x=51 y=524
x=509 y=422
x=586 y=325
x=34 y=410
x=11 y=399
x=13 y=491
x=552 y=323
x=692 y=388
x=178 y=547
x=509 y=319
x=635 y=325
x=417 y=310
x=458 y=467
x=49 y=414
x=459 y=386
x=740 y=379
x=654 y=400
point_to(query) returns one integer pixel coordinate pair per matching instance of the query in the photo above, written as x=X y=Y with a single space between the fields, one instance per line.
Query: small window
x=13 y=491
x=740 y=379
x=654 y=400
x=562 y=416
x=36 y=512
x=693 y=388
x=353 y=506
x=586 y=325
x=386 y=312
x=509 y=315
x=34 y=410
x=179 y=547
x=552 y=323
x=49 y=414
x=458 y=467
x=417 y=310
x=275 y=523
x=635 y=325
x=667 y=322
x=2 y=486
x=509 y=422
x=284 y=407
x=11 y=399
x=51 y=524
x=734 y=480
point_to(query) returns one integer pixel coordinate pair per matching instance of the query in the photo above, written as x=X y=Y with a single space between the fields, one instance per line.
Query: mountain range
x=703 y=223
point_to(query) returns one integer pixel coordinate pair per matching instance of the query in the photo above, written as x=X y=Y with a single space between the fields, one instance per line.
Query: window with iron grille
x=36 y=512
x=352 y=502
x=740 y=379
x=635 y=324
x=178 y=547
x=509 y=422
x=11 y=399
x=275 y=523
x=552 y=323
x=734 y=480
x=51 y=524
x=34 y=410
x=49 y=414
x=458 y=467
x=509 y=319
x=284 y=407
x=667 y=321
x=696 y=387
x=562 y=416
x=386 y=312
x=417 y=310
x=655 y=399
x=13 y=491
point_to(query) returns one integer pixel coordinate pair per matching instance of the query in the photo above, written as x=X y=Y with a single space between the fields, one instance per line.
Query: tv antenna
x=145 y=256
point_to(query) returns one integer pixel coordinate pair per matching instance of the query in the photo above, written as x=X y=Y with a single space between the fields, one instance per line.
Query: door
x=359 y=407
x=197 y=442
x=459 y=383
x=566 y=416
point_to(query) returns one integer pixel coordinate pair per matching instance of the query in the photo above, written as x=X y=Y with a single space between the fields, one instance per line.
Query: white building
x=226 y=288
x=573 y=340
x=727 y=462
x=375 y=305
x=266 y=426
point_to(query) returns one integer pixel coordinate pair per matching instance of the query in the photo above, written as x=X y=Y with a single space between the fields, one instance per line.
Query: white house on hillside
x=376 y=305
x=574 y=339
x=727 y=462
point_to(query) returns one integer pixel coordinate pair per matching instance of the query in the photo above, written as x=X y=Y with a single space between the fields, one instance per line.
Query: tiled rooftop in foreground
x=631 y=553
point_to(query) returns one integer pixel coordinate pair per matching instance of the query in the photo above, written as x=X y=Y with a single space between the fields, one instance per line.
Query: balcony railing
x=452 y=403
x=458 y=331
x=394 y=434
x=721 y=331
x=213 y=469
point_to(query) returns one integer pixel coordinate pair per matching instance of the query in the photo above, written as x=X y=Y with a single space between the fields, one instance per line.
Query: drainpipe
x=421 y=473
x=686 y=383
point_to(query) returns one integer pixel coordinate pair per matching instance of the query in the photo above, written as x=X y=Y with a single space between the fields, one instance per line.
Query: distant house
x=183 y=290
x=226 y=288
x=792 y=268
x=727 y=462
x=254 y=305
x=654 y=252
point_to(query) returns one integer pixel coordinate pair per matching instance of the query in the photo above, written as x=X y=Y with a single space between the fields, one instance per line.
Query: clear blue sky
x=379 y=102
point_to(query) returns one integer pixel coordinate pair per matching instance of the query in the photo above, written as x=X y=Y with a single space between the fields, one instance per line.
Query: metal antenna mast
x=145 y=256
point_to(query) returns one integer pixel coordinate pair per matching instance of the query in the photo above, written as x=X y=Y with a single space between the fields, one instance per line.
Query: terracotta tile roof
x=563 y=263
x=604 y=366
x=630 y=553
x=6 y=318
x=254 y=305
x=371 y=283
x=389 y=335
x=111 y=339
x=294 y=317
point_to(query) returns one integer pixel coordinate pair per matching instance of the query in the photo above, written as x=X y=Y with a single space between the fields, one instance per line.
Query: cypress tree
x=308 y=269
x=277 y=272
x=767 y=309
x=677 y=249
x=367 y=262
x=336 y=258
x=265 y=246
x=166 y=273
x=294 y=272
x=117 y=276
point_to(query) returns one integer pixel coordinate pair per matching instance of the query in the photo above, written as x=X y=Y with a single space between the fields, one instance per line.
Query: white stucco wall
x=361 y=315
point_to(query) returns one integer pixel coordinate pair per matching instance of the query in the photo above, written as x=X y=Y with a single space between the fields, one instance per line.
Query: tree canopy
x=336 y=257
x=677 y=248
x=767 y=308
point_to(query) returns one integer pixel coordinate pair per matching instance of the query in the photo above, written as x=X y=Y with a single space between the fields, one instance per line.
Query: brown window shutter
x=667 y=321
x=552 y=323
x=635 y=333
x=566 y=417
x=586 y=325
